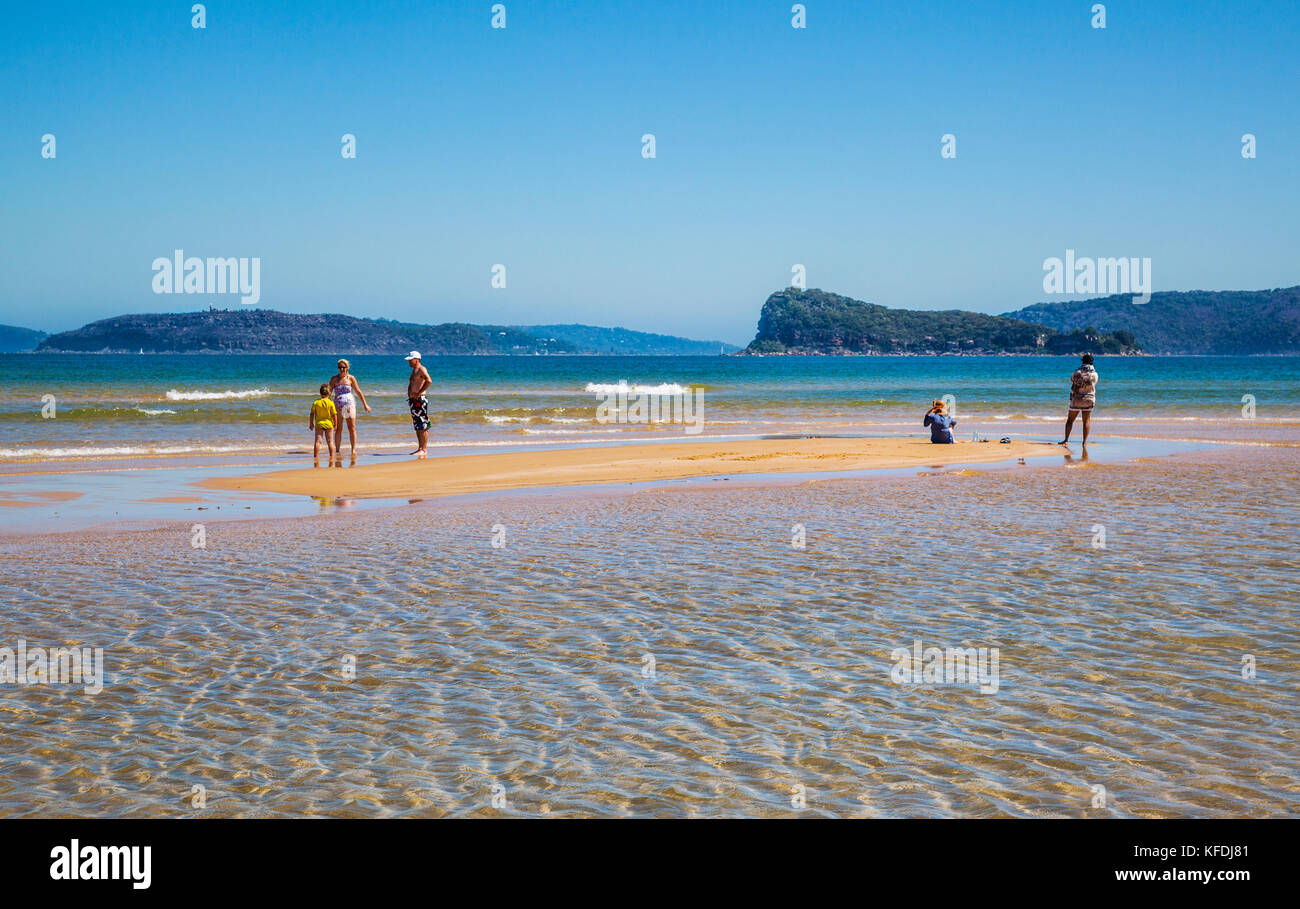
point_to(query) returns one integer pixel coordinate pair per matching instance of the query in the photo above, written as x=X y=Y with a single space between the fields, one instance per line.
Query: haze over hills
x=622 y=340
x=1228 y=322
x=267 y=331
x=817 y=322
x=14 y=339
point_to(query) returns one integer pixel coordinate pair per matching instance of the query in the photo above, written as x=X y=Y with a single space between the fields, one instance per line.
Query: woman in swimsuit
x=344 y=385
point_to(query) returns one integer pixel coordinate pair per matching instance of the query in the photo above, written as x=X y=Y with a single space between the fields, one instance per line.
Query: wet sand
x=41 y=497
x=625 y=464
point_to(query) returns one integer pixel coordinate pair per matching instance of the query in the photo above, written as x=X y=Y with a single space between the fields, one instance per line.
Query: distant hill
x=816 y=322
x=268 y=331
x=16 y=340
x=624 y=341
x=1229 y=322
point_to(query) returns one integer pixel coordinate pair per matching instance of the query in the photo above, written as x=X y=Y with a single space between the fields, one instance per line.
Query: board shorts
x=326 y=425
x=1083 y=402
x=347 y=408
x=419 y=412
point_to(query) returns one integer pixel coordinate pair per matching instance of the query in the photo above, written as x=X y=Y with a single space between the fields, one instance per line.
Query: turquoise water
x=127 y=406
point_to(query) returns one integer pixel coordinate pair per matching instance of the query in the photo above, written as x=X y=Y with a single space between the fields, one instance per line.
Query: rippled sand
x=523 y=672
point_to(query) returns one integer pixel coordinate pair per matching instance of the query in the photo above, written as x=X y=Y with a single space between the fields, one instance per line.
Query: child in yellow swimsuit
x=323 y=417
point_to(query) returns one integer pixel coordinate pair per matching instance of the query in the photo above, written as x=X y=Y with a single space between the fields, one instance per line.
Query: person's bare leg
x=352 y=436
x=422 y=436
x=338 y=436
x=1086 y=415
x=1069 y=424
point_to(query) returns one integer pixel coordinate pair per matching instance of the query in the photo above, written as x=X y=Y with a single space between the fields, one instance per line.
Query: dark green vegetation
x=16 y=340
x=1227 y=322
x=816 y=322
x=268 y=331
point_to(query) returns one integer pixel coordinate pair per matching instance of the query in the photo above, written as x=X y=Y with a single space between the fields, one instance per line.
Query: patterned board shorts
x=347 y=409
x=1082 y=402
x=419 y=412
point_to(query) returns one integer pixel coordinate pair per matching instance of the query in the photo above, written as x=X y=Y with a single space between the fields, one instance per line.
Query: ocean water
x=664 y=650
x=112 y=406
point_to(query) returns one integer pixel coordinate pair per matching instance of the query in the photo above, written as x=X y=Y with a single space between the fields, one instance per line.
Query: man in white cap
x=418 y=403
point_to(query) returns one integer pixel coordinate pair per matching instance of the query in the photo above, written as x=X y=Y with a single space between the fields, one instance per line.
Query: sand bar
x=622 y=464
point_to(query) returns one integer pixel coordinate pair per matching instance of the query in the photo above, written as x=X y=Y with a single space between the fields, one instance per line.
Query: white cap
x=414 y=355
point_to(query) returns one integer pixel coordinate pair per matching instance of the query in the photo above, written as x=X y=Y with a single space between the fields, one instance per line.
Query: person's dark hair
x=324 y=389
x=1087 y=359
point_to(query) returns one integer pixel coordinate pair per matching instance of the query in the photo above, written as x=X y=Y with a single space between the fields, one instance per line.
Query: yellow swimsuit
x=324 y=413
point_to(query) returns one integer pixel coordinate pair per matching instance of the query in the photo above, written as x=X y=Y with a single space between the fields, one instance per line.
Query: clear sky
x=522 y=146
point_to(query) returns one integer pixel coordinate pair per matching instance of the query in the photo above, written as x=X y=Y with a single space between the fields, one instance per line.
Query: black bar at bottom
x=341 y=859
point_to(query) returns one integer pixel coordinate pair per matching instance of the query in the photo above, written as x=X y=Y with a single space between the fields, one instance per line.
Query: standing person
x=1083 y=397
x=343 y=385
x=940 y=423
x=418 y=403
x=323 y=417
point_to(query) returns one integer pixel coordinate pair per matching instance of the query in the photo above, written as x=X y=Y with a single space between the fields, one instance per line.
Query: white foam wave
x=174 y=395
x=665 y=388
x=153 y=413
x=555 y=421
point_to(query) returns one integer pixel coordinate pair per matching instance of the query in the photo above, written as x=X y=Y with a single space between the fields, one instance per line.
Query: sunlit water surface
x=668 y=652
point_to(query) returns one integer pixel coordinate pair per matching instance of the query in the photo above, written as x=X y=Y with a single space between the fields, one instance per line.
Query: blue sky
x=522 y=146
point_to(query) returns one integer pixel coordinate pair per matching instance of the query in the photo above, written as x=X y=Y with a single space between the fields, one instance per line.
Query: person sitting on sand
x=323 y=417
x=940 y=423
x=1083 y=397
x=343 y=385
x=418 y=404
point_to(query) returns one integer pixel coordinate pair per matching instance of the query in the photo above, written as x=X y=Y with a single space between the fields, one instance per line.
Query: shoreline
x=62 y=498
x=148 y=499
x=438 y=477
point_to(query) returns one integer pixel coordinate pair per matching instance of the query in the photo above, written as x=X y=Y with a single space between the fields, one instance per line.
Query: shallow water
x=121 y=405
x=522 y=672
x=58 y=497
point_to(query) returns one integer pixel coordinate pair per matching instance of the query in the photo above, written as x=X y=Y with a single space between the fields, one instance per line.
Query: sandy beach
x=624 y=464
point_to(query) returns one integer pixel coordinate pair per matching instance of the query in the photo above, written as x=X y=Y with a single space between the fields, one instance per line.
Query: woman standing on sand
x=344 y=385
x=1083 y=398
